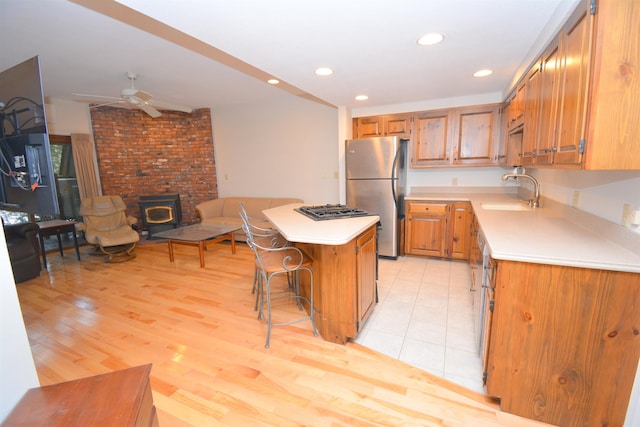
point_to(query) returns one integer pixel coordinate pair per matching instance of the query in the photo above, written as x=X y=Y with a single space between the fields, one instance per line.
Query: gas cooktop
x=324 y=212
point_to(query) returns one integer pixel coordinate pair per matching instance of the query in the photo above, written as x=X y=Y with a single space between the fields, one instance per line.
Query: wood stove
x=160 y=212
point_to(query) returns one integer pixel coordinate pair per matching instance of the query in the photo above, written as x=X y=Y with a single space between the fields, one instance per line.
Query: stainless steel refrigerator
x=376 y=177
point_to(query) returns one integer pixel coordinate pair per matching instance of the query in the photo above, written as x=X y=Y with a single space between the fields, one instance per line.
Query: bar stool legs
x=266 y=290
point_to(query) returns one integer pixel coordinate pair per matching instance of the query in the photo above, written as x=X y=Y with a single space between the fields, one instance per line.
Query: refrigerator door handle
x=394 y=178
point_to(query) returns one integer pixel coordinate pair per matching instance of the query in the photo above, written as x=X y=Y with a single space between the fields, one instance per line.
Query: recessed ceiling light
x=273 y=81
x=323 y=71
x=430 y=38
x=482 y=73
x=362 y=98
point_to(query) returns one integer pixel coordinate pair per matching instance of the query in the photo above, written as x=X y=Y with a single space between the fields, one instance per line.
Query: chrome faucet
x=535 y=202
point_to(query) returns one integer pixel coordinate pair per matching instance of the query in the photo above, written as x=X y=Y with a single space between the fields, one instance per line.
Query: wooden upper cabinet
x=431 y=143
x=387 y=125
x=548 y=103
x=457 y=137
x=581 y=105
x=515 y=115
x=531 y=114
x=477 y=130
x=368 y=127
x=576 y=37
x=397 y=125
x=613 y=127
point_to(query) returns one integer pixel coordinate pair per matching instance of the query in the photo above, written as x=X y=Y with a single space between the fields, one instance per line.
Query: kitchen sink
x=505 y=207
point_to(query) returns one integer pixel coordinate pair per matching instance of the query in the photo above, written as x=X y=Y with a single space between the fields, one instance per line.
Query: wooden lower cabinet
x=344 y=285
x=438 y=229
x=564 y=343
x=117 y=399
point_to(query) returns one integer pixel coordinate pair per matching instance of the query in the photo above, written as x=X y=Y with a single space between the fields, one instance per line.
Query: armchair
x=106 y=226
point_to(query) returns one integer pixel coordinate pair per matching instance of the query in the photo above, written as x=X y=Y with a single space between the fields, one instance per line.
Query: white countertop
x=552 y=234
x=296 y=227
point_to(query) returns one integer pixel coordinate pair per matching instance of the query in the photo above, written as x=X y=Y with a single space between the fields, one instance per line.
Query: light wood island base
x=344 y=285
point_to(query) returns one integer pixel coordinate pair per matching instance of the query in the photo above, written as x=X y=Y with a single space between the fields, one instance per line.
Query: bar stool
x=273 y=262
x=264 y=236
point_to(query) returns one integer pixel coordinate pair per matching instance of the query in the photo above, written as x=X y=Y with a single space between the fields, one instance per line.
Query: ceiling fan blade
x=119 y=104
x=149 y=109
x=94 y=97
x=169 y=106
x=135 y=93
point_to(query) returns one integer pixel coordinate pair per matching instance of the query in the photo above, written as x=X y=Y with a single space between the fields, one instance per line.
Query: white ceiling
x=371 y=45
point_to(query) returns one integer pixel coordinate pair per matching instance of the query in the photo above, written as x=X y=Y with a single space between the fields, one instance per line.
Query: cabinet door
x=575 y=66
x=397 y=125
x=426 y=229
x=549 y=81
x=460 y=231
x=613 y=127
x=432 y=140
x=514 y=116
x=368 y=127
x=476 y=135
x=366 y=274
x=531 y=115
x=517 y=114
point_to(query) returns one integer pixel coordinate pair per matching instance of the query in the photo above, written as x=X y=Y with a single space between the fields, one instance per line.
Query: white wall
x=65 y=117
x=286 y=148
x=17 y=370
x=463 y=177
x=601 y=193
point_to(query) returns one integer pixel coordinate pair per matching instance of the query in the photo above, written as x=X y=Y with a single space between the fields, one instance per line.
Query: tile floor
x=424 y=317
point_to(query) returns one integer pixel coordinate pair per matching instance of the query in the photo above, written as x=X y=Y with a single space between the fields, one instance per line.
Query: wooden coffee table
x=200 y=235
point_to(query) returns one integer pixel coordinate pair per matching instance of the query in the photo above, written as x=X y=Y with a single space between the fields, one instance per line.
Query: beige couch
x=225 y=210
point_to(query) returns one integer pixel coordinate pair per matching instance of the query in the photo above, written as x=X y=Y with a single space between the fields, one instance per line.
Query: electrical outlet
x=576 y=199
x=454 y=181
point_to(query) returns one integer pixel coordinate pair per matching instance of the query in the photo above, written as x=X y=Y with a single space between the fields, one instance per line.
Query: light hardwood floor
x=198 y=329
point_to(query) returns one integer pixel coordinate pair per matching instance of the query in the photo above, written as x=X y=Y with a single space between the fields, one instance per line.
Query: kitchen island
x=561 y=328
x=344 y=267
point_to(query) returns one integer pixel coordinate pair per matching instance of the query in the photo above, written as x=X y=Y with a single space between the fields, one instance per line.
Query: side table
x=57 y=227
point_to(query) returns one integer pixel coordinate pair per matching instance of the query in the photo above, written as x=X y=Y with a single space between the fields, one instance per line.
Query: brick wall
x=140 y=156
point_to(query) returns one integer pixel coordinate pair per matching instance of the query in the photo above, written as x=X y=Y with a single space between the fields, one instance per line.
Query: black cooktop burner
x=323 y=212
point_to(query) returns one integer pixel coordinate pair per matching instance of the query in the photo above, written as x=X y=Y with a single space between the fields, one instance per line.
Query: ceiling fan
x=133 y=98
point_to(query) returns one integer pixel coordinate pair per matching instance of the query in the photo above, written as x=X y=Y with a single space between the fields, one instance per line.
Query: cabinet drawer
x=436 y=208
